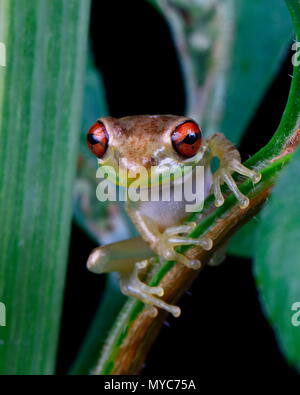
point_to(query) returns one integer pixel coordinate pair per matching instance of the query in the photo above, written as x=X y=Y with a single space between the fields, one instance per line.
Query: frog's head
x=157 y=144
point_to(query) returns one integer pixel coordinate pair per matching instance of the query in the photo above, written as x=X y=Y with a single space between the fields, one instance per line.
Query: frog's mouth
x=170 y=169
x=140 y=177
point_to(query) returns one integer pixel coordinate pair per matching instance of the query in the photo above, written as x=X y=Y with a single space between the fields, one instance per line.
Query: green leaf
x=241 y=243
x=277 y=259
x=40 y=104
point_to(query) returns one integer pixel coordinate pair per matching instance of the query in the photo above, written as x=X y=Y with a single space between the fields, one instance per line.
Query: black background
x=222 y=329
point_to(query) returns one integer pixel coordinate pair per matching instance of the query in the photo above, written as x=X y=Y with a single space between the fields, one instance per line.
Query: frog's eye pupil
x=191 y=138
x=92 y=139
x=186 y=139
x=97 y=139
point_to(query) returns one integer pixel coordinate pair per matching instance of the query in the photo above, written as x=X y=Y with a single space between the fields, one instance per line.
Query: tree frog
x=163 y=141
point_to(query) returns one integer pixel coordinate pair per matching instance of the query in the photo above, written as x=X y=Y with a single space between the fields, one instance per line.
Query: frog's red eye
x=186 y=139
x=97 y=139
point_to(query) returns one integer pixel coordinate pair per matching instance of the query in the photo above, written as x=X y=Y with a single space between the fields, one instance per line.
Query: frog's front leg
x=230 y=162
x=164 y=242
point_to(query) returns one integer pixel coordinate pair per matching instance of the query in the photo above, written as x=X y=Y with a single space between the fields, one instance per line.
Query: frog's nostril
x=152 y=161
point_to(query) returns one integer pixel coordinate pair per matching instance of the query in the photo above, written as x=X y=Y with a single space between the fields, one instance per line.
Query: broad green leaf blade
x=277 y=259
x=40 y=105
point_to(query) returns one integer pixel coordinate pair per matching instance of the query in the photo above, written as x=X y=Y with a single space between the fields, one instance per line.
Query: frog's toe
x=238 y=167
x=132 y=286
x=223 y=175
x=178 y=236
x=203 y=242
x=169 y=253
x=184 y=229
x=173 y=237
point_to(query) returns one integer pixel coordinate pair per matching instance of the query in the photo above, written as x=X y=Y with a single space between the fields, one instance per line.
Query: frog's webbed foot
x=223 y=174
x=131 y=285
x=176 y=236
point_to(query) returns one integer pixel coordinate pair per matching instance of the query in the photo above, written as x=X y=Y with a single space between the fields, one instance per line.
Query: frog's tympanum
x=164 y=141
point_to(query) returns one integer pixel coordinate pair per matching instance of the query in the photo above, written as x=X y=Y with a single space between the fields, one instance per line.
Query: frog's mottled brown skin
x=147 y=141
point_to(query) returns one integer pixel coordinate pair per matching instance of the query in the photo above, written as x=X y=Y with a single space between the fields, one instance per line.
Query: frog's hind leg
x=132 y=286
x=129 y=259
x=119 y=256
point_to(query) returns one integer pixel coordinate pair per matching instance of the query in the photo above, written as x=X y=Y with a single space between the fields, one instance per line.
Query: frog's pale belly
x=171 y=212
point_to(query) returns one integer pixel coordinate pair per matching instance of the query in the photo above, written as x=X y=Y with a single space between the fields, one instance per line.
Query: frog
x=163 y=142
